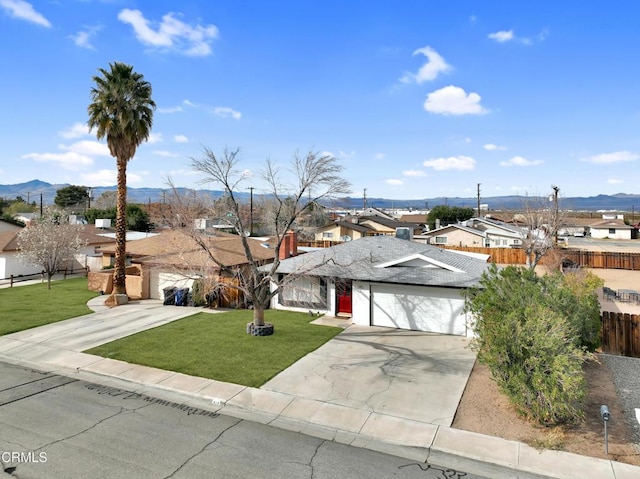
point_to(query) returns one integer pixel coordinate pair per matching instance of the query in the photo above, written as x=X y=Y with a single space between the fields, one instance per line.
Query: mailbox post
x=604 y=413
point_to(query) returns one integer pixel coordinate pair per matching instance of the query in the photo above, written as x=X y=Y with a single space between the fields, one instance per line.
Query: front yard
x=25 y=307
x=216 y=346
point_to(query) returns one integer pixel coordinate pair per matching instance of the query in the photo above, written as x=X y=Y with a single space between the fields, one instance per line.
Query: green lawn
x=25 y=307
x=216 y=346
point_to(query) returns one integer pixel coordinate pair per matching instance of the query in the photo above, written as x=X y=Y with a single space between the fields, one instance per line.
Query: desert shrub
x=530 y=336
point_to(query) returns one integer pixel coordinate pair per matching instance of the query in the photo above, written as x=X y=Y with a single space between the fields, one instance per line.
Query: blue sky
x=417 y=99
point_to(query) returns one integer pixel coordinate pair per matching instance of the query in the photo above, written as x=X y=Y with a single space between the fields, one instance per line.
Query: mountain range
x=32 y=191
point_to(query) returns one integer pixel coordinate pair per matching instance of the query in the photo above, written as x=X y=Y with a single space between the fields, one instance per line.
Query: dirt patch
x=485 y=410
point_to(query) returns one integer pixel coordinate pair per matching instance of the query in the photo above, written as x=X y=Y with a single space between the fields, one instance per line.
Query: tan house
x=357 y=227
x=173 y=259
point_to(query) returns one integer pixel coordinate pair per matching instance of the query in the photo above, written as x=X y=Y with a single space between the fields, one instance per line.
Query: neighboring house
x=455 y=235
x=370 y=211
x=5 y=226
x=479 y=232
x=415 y=219
x=173 y=259
x=341 y=231
x=10 y=264
x=612 y=229
x=384 y=226
x=383 y=281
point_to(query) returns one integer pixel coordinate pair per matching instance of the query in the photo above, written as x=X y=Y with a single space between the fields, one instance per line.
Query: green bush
x=534 y=333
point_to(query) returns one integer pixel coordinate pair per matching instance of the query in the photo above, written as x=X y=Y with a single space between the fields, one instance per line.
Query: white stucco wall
x=602 y=233
x=160 y=279
x=361 y=310
x=11 y=265
x=329 y=310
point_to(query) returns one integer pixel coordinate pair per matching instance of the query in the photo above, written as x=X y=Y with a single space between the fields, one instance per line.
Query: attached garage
x=391 y=282
x=418 y=308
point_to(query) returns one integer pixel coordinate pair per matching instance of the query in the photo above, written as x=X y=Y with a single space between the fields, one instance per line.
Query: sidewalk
x=58 y=347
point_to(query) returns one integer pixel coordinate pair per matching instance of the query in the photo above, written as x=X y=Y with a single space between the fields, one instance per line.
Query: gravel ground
x=626 y=377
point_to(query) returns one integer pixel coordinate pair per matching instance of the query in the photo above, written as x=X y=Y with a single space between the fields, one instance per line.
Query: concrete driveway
x=406 y=374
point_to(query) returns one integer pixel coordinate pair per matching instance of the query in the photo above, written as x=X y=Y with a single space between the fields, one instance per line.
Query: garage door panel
x=437 y=310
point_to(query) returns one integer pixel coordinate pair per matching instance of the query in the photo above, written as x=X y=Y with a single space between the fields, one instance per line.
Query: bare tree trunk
x=119 y=280
x=258 y=315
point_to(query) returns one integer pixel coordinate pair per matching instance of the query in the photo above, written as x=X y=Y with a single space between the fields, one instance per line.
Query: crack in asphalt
x=57 y=441
x=204 y=448
x=315 y=453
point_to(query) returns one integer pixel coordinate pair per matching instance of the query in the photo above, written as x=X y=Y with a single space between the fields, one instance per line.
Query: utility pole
x=479 y=200
x=251 y=210
x=364 y=200
x=555 y=216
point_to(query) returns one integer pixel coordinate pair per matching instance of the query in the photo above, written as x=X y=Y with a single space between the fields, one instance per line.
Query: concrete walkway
x=326 y=394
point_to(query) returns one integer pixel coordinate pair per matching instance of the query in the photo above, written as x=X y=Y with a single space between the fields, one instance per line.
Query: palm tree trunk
x=119 y=280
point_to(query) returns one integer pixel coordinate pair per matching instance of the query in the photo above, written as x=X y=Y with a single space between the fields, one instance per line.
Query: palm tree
x=121 y=111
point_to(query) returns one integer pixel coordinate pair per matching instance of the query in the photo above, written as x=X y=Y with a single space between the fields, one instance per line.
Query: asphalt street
x=56 y=427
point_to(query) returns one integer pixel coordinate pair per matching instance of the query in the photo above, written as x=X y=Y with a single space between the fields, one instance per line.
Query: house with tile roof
x=383 y=281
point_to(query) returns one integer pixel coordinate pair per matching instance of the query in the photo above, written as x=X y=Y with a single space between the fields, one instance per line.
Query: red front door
x=343 y=297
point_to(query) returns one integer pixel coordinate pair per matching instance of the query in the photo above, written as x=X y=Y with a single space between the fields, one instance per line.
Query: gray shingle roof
x=358 y=260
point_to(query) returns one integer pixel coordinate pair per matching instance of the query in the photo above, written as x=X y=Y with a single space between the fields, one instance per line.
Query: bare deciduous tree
x=50 y=242
x=539 y=222
x=311 y=178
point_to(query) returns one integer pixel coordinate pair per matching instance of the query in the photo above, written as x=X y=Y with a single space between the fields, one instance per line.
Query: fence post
x=11 y=282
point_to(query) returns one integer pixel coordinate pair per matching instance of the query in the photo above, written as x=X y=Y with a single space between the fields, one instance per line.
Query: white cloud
x=346 y=155
x=77 y=130
x=87 y=147
x=180 y=139
x=459 y=162
x=414 y=173
x=189 y=103
x=226 y=112
x=24 y=11
x=492 y=147
x=76 y=156
x=107 y=178
x=430 y=70
x=615 y=181
x=68 y=161
x=83 y=38
x=379 y=156
x=502 y=36
x=171 y=33
x=171 y=109
x=154 y=138
x=166 y=153
x=394 y=182
x=453 y=100
x=614 y=157
x=520 y=161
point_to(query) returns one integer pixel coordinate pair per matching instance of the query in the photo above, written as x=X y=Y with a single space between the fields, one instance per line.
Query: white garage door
x=437 y=310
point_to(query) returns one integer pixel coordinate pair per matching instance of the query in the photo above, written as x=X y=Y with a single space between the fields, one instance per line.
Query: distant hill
x=32 y=190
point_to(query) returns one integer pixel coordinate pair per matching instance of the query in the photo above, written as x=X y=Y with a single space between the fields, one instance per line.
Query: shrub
x=533 y=335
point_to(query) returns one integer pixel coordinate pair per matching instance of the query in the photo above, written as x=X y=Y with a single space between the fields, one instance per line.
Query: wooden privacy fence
x=621 y=333
x=586 y=259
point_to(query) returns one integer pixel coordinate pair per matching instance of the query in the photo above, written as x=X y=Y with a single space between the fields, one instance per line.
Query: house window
x=516 y=241
x=327 y=235
x=304 y=292
x=612 y=231
x=441 y=240
x=487 y=243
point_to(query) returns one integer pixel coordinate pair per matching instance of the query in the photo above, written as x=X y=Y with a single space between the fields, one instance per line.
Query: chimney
x=294 y=243
x=437 y=223
x=289 y=245
x=285 y=246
